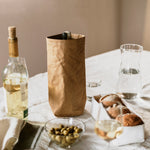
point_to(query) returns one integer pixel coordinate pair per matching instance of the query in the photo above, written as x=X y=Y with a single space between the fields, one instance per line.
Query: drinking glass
x=107 y=128
x=130 y=83
x=92 y=88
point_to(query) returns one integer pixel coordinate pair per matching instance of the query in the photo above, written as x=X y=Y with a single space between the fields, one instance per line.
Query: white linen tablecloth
x=104 y=67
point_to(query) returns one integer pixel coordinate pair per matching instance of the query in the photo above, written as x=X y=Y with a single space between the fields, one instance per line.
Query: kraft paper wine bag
x=66 y=75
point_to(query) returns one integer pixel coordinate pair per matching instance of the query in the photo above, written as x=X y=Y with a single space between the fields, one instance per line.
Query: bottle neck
x=13 y=59
x=13 y=47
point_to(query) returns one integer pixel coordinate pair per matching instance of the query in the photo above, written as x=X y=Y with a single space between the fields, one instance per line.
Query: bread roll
x=129 y=119
x=110 y=100
x=97 y=98
x=112 y=104
x=115 y=111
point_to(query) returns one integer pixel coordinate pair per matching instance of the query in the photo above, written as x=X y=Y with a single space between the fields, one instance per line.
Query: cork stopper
x=12 y=32
x=12 y=42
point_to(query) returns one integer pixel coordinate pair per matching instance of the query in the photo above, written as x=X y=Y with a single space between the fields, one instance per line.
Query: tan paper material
x=66 y=75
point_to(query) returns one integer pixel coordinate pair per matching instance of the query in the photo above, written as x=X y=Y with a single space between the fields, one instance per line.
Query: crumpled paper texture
x=66 y=75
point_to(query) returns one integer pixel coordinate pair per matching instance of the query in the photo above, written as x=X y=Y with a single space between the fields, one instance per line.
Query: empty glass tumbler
x=130 y=82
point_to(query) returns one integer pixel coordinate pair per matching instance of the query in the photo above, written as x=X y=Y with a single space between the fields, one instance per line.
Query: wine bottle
x=66 y=35
x=15 y=80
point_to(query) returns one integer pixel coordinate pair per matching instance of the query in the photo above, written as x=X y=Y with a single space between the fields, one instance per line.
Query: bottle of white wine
x=15 y=80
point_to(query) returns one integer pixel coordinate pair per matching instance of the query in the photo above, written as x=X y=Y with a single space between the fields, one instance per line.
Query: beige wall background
x=132 y=21
x=106 y=24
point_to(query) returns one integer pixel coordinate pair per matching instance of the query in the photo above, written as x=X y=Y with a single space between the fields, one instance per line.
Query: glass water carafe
x=130 y=82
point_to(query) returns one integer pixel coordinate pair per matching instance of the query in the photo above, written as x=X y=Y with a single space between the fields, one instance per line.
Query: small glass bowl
x=64 y=140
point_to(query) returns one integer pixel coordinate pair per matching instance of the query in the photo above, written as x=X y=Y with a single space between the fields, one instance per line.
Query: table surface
x=104 y=67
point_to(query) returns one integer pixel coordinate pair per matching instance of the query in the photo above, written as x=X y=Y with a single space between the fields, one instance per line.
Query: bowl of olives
x=65 y=131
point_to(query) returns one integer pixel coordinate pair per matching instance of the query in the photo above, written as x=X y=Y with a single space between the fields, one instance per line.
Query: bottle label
x=25 y=113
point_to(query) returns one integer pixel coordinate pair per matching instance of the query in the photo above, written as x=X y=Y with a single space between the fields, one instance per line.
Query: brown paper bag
x=66 y=75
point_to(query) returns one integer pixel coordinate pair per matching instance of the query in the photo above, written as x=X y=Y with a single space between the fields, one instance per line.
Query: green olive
x=68 y=129
x=53 y=129
x=76 y=135
x=75 y=128
x=80 y=130
x=72 y=127
x=52 y=132
x=64 y=135
x=57 y=132
x=65 y=132
x=53 y=137
x=68 y=139
x=61 y=126
x=72 y=141
x=71 y=130
x=58 y=138
x=63 y=142
x=62 y=130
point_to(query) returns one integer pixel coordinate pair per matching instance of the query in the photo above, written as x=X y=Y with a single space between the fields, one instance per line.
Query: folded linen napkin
x=10 y=129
